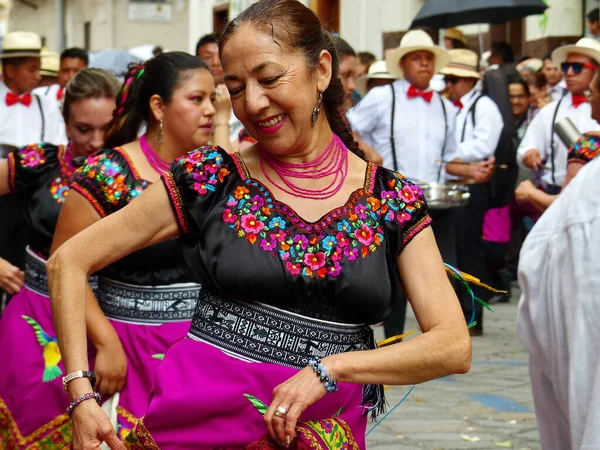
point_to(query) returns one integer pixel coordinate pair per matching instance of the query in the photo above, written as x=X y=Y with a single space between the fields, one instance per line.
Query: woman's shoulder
x=207 y=166
x=586 y=148
x=35 y=155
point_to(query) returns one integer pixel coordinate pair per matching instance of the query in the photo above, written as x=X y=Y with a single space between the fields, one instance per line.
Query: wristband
x=79 y=374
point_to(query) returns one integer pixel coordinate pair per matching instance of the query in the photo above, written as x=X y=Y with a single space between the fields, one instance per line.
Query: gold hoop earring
x=159 y=135
x=317 y=110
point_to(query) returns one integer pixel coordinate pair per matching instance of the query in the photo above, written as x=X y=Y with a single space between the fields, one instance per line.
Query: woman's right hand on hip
x=91 y=428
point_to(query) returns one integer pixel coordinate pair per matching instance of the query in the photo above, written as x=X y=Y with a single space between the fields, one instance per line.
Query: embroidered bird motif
x=51 y=352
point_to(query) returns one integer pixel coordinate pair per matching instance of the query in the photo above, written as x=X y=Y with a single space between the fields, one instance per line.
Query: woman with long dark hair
x=145 y=300
x=299 y=243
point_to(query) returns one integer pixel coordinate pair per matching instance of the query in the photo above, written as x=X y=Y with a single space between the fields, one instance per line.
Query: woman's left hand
x=294 y=395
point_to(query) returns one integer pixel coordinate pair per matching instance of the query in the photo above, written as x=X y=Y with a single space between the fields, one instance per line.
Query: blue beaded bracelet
x=326 y=379
x=82 y=398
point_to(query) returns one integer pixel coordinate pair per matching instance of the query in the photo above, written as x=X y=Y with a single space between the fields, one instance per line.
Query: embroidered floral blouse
x=39 y=174
x=109 y=181
x=244 y=244
x=586 y=148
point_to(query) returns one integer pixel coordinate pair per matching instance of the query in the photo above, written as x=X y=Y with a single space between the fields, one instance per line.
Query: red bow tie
x=413 y=93
x=578 y=99
x=457 y=103
x=12 y=99
x=59 y=94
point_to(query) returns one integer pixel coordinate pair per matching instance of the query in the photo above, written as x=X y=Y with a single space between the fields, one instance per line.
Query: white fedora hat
x=20 y=44
x=585 y=46
x=50 y=64
x=463 y=64
x=378 y=70
x=414 y=41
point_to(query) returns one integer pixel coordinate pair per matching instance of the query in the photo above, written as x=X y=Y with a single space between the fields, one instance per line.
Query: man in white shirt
x=479 y=125
x=24 y=119
x=559 y=312
x=412 y=128
x=541 y=149
x=556 y=85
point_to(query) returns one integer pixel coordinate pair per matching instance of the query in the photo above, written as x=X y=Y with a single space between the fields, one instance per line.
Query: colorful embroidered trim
x=176 y=202
x=11 y=173
x=241 y=166
x=140 y=438
x=416 y=229
x=121 y=151
x=55 y=435
x=89 y=197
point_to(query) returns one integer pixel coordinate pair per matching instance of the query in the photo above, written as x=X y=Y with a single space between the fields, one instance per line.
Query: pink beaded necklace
x=157 y=163
x=68 y=157
x=332 y=161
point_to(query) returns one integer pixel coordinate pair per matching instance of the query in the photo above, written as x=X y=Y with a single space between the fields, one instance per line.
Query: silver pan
x=444 y=196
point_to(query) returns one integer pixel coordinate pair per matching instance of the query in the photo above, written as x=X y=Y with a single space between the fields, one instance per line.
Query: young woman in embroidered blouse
x=32 y=401
x=146 y=298
x=288 y=238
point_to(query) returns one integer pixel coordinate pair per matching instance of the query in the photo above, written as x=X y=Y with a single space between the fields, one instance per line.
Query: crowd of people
x=195 y=256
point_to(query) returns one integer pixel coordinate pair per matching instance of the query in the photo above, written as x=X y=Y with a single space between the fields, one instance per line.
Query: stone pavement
x=491 y=407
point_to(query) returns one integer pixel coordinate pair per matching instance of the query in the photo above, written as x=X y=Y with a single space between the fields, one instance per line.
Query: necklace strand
x=332 y=161
x=157 y=163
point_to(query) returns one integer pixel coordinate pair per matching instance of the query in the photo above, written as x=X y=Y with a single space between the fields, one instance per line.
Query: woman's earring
x=317 y=110
x=159 y=135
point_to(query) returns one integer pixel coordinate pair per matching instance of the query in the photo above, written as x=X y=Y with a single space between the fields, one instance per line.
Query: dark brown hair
x=295 y=26
x=89 y=83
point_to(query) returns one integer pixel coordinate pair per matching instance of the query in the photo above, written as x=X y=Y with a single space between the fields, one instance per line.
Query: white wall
x=562 y=18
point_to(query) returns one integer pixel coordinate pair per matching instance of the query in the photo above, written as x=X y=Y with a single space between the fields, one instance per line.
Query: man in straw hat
x=478 y=128
x=378 y=75
x=541 y=149
x=24 y=119
x=412 y=128
x=454 y=38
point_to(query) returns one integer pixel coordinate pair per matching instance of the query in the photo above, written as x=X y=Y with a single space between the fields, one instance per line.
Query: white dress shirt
x=539 y=134
x=559 y=313
x=480 y=141
x=50 y=92
x=21 y=125
x=555 y=92
x=419 y=130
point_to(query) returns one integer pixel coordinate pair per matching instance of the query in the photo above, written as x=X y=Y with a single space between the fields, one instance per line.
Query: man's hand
x=532 y=159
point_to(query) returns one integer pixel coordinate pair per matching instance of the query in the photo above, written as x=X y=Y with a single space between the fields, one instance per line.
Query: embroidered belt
x=36 y=278
x=259 y=332
x=147 y=304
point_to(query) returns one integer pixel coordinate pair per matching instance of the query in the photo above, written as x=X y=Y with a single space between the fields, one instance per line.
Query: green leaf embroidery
x=159 y=356
x=259 y=405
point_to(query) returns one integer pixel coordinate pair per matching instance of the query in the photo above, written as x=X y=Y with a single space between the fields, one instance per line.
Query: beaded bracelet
x=82 y=398
x=328 y=381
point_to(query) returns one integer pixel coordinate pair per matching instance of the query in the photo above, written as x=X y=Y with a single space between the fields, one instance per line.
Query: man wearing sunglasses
x=541 y=150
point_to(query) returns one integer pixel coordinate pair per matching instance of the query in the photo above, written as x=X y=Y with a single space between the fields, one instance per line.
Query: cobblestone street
x=491 y=407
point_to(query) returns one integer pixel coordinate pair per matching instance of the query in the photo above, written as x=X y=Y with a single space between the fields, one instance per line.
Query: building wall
x=41 y=20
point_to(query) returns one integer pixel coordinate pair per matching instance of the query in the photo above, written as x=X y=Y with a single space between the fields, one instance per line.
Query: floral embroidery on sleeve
x=205 y=165
x=31 y=156
x=585 y=149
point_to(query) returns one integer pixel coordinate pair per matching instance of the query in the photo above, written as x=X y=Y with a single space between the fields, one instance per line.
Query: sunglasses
x=577 y=67
x=451 y=79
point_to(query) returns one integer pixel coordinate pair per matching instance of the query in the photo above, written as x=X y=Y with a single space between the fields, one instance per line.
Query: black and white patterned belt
x=36 y=279
x=259 y=332
x=147 y=304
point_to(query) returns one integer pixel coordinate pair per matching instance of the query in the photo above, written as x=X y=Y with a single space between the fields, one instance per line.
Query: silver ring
x=282 y=410
x=218 y=91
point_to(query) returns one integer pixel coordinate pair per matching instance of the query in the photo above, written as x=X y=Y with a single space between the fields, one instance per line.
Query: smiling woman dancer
x=146 y=299
x=32 y=401
x=287 y=237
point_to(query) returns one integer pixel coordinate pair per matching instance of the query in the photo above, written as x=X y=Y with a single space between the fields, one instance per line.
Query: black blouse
x=109 y=181
x=244 y=244
x=39 y=174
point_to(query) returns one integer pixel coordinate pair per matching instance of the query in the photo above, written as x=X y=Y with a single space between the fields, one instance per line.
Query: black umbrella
x=451 y=13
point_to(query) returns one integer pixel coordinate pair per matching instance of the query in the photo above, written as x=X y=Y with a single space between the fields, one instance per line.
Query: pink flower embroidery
x=361 y=211
x=388 y=195
x=403 y=216
x=351 y=253
x=334 y=270
x=279 y=236
x=267 y=245
x=294 y=269
x=299 y=239
x=251 y=224
x=228 y=216
x=364 y=235
x=315 y=260
x=257 y=203
x=407 y=194
x=342 y=239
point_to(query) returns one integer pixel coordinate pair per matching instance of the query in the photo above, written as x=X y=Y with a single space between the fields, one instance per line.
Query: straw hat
x=455 y=33
x=463 y=64
x=21 y=44
x=50 y=63
x=378 y=70
x=414 y=41
x=584 y=46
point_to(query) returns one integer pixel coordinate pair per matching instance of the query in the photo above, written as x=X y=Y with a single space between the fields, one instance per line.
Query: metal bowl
x=444 y=196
